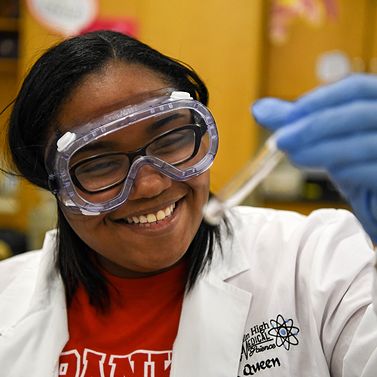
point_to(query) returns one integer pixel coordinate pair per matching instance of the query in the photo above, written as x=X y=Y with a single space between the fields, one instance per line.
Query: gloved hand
x=333 y=128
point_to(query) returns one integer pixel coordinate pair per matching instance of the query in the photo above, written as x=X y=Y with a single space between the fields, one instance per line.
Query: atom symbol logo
x=284 y=332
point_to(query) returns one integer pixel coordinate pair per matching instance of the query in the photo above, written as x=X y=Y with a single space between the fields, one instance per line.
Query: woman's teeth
x=152 y=217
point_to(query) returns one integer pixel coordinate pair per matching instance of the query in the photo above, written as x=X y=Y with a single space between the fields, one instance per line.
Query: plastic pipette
x=241 y=185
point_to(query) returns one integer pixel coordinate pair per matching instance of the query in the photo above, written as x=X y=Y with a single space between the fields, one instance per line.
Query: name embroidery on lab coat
x=278 y=332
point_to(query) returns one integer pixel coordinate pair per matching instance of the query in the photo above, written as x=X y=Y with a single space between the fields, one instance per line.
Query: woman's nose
x=149 y=183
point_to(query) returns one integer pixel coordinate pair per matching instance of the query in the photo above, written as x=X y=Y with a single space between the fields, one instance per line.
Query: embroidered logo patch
x=284 y=332
x=278 y=332
x=268 y=335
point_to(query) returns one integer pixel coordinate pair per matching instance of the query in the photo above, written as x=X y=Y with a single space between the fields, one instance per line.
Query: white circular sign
x=67 y=17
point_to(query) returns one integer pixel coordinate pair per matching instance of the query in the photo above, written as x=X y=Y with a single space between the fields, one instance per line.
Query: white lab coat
x=286 y=282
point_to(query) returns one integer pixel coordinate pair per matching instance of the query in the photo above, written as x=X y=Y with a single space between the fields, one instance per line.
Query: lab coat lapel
x=212 y=322
x=40 y=323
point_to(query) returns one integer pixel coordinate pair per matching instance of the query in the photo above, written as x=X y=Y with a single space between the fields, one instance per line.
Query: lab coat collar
x=213 y=319
x=39 y=322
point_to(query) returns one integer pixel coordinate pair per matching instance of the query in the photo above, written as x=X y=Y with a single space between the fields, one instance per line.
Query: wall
x=291 y=66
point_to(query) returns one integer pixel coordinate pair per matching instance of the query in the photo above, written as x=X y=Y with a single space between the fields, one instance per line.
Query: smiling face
x=153 y=229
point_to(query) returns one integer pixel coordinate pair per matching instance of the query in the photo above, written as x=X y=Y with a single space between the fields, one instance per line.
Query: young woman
x=133 y=282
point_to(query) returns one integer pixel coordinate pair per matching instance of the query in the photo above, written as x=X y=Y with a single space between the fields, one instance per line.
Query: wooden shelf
x=8 y=24
x=8 y=65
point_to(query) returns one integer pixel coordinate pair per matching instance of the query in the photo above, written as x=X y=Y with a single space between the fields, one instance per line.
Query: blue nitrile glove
x=333 y=128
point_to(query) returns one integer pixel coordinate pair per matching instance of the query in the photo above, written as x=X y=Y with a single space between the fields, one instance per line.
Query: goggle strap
x=53 y=184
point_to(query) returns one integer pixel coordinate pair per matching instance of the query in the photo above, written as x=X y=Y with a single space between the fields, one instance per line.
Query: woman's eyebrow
x=161 y=122
x=108 y=144
x=98 y=145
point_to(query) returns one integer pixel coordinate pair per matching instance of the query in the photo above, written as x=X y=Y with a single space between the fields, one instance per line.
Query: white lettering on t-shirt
x=91 y=363
x=70 y=363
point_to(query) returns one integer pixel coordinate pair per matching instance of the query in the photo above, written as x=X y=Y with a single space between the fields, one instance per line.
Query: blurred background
x=243 y=50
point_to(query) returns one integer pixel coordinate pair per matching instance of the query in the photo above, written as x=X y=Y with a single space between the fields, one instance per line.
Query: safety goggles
x=92 y=168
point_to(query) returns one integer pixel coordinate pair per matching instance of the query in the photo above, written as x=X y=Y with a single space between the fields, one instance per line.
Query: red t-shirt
x=135 y=338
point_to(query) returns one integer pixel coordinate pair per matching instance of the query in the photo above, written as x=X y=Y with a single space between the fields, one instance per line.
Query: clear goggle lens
x=92 y=168
x=100 y=176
